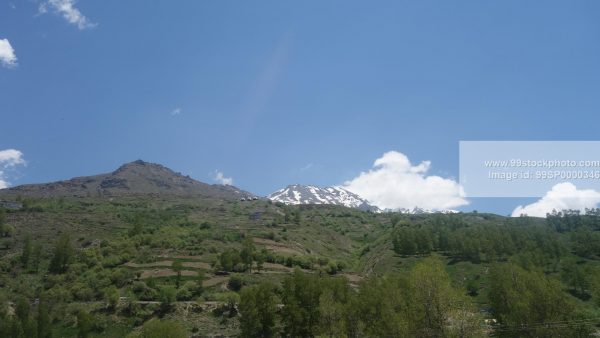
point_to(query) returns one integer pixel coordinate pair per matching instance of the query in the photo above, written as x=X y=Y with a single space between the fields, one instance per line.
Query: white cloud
x=176 y=111
x=562 y=196
x=221 y=179
x=9 y=158
x=7 y=54
x=394 y=183
x=67 y=9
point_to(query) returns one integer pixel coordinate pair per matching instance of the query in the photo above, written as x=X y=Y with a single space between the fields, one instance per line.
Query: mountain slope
x=421 y=211
x=310 y=194
x=135 y=178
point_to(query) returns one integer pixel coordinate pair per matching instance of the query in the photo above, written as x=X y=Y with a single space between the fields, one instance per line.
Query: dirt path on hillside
x=276 y=246
x=195 y=265
x=157 y=273
x=214 y=281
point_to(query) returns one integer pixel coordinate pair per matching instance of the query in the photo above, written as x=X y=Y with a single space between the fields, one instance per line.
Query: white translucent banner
x=527 y=168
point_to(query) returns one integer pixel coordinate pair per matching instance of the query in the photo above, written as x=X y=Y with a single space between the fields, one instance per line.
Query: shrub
x=235 y=283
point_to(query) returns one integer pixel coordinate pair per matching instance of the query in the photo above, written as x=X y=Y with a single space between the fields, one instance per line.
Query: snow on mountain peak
x=310 y=194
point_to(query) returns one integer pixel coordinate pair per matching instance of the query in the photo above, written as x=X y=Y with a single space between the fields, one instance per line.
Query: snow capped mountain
x=310 y=194
x=420 y=211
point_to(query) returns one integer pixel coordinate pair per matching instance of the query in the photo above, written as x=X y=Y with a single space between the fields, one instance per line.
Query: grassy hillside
x=187 y=258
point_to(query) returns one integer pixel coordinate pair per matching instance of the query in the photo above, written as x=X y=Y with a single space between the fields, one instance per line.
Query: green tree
x=235 y=283
x=437 y=309
x=16 y=329
x=300 y=297
x=84 y=324
x=585 y=242
x=22 y=310
x=380 y=309
x=258 y=308
x=229 y=259
x=595 y=286
x=26 y=324
x=404 y=241
x=26 y=252
x=433 y=297
x=177 y=267
x=44 y=329
x=5 y=326
x=111 y=296
x=577 y=277
x=199 y=283
x=136 y=229
x=6 y=230
x=424 y=241
x=297 y=217
x=131 y=306
x=36 y=257
x=247 y=253
x=166 y=297
x=260 y=261
x=62 y=255
x=522 y=298
x=332 y=306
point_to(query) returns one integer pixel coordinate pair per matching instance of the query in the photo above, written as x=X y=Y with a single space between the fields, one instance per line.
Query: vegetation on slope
x=198 y=266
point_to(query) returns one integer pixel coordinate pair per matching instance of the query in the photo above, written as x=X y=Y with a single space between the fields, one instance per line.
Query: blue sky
x=277 y=92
